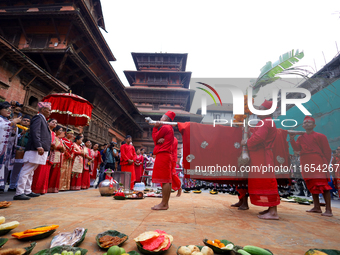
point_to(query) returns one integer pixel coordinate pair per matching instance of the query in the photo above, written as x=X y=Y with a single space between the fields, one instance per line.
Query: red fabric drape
x=40 y=178
x=176 y=181
x=162 y=170
x=281 y=152
x=222 y=148
x=139 y=169
x=96 y=162
x=70 y=109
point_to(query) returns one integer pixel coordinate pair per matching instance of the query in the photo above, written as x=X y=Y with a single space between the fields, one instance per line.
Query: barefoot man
x=127 y=158
x=176 y=182
x=262 y=187
x=315 y=156
x=162 y=170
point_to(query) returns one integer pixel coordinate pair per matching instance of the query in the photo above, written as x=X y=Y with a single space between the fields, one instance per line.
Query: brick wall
x=13 y=90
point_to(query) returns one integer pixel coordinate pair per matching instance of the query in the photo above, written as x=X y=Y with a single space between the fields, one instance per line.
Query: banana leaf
x=40 y=236
x=133 y=253
x=60 y=249
x=327 y=251
x=4 y=231
x=3 y=241
x=222 y=251
x=111 y=233
x=270 y=70
x=30 y=248
x=147 y=252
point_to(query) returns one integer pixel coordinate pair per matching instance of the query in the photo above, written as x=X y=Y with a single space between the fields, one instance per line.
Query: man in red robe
x=162 y=170
x=315 y=157
x=127 y=157
x=262 y=186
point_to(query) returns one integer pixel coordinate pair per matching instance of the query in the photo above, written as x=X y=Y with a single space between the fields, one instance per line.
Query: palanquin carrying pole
x=153 y=122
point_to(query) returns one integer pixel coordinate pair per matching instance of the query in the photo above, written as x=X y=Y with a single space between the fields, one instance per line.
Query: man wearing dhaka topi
x=37 y=148
x=162 y=170
x=262 y=186
x=315 y=157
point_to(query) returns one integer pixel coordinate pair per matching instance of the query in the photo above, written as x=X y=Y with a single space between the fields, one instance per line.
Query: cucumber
x=243 y=252
x=253 y=250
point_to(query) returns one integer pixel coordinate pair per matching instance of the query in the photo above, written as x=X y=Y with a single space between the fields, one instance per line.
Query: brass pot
x=105 y=189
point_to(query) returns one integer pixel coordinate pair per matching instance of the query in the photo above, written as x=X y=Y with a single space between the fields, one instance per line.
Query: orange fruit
x=216 y=245
x=217 y=241
x=221 y=245
x=210 y=242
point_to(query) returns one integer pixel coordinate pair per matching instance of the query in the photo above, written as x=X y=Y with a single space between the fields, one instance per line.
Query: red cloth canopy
x=70 y=109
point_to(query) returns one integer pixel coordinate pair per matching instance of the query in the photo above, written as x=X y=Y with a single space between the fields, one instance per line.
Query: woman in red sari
x=88 y=165
x=96 y=163
x=41 y=174
x=56 y=159
x=139 y=166
x=77 y=166
x=66 y=164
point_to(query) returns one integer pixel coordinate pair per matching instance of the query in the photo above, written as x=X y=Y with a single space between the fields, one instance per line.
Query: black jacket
x=40 y=134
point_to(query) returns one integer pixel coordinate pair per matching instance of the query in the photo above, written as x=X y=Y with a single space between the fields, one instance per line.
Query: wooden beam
x=82 y=47
x=97 y=59
x=2 y=55
x=16 y=73
x=26 y=86
x=46 y=63
x=2 y=32
x=80 y=78
x=56 y=30
x=61 y=65
x=23 y=31
x=68 y=33
x=109 y=80
x=100 y=76
x=72 y=72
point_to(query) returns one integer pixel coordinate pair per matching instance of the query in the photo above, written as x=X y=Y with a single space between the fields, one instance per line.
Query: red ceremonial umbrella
x=70 y=109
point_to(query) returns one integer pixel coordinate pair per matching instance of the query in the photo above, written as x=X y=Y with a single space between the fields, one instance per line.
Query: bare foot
x=268 y=216
x=160 y=207
x=238 y=204
x=243 y=207
x=179 y=192
x=327 y=214
x=264 y=212
x=314 y=210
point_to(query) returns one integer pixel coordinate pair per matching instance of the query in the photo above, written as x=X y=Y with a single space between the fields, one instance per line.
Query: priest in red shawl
x=316 y=154
x=162 y=170
x=262 y=187
x=127 y=157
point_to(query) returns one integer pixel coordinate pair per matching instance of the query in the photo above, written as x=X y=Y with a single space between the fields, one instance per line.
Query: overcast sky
x=223 y=38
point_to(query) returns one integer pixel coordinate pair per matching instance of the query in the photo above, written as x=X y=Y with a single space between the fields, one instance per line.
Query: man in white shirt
x=37 y=148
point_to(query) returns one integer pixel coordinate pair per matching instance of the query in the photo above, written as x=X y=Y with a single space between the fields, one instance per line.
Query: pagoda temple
x=50 y=46
x=160 y=84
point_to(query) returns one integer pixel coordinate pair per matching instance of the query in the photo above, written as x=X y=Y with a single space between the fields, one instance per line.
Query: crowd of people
x=38 y=156
x=47 y=159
